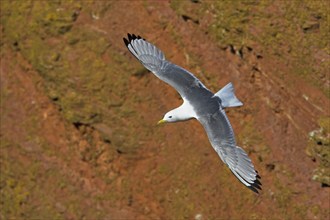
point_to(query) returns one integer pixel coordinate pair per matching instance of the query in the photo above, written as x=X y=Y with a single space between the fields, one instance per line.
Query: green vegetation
x=77 y=78
x=93 y=86
x=303 y=25
x=319 y=150
x=86 y=87
x=19 y=186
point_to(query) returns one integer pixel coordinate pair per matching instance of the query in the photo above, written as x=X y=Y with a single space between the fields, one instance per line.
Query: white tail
x=227 y=96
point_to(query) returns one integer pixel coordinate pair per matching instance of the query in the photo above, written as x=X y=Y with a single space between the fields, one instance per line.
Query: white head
x=182 y=113
x=171 y=116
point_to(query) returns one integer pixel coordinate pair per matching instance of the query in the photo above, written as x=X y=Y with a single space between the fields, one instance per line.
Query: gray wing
x=154 y=60
x=221 y=136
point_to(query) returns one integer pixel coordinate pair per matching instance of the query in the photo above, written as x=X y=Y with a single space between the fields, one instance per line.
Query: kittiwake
x=199 y=103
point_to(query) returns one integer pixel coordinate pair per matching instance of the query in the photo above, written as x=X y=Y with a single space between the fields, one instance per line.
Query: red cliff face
x=78 y=112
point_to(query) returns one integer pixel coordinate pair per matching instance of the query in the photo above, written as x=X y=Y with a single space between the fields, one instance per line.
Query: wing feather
x=217 y=125
x=154 y=60
x=221 y=136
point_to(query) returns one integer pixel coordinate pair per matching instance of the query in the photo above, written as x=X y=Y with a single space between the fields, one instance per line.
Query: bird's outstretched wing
x=221 y=136
x=154 y=60
x=217 y=125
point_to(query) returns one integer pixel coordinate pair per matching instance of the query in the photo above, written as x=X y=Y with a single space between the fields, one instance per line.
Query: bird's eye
x=170 y=116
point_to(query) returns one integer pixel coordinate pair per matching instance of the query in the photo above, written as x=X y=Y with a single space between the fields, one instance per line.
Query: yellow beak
x=161 y=122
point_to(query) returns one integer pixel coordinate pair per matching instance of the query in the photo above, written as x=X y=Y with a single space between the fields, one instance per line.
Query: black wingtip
x=126 y=42
x=256 y=185
x=131 y=37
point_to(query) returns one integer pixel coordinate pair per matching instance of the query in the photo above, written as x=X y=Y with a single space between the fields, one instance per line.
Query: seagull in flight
x=199 y=103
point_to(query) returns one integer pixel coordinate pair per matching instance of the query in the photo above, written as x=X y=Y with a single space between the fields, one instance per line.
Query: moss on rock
x=319 y=150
